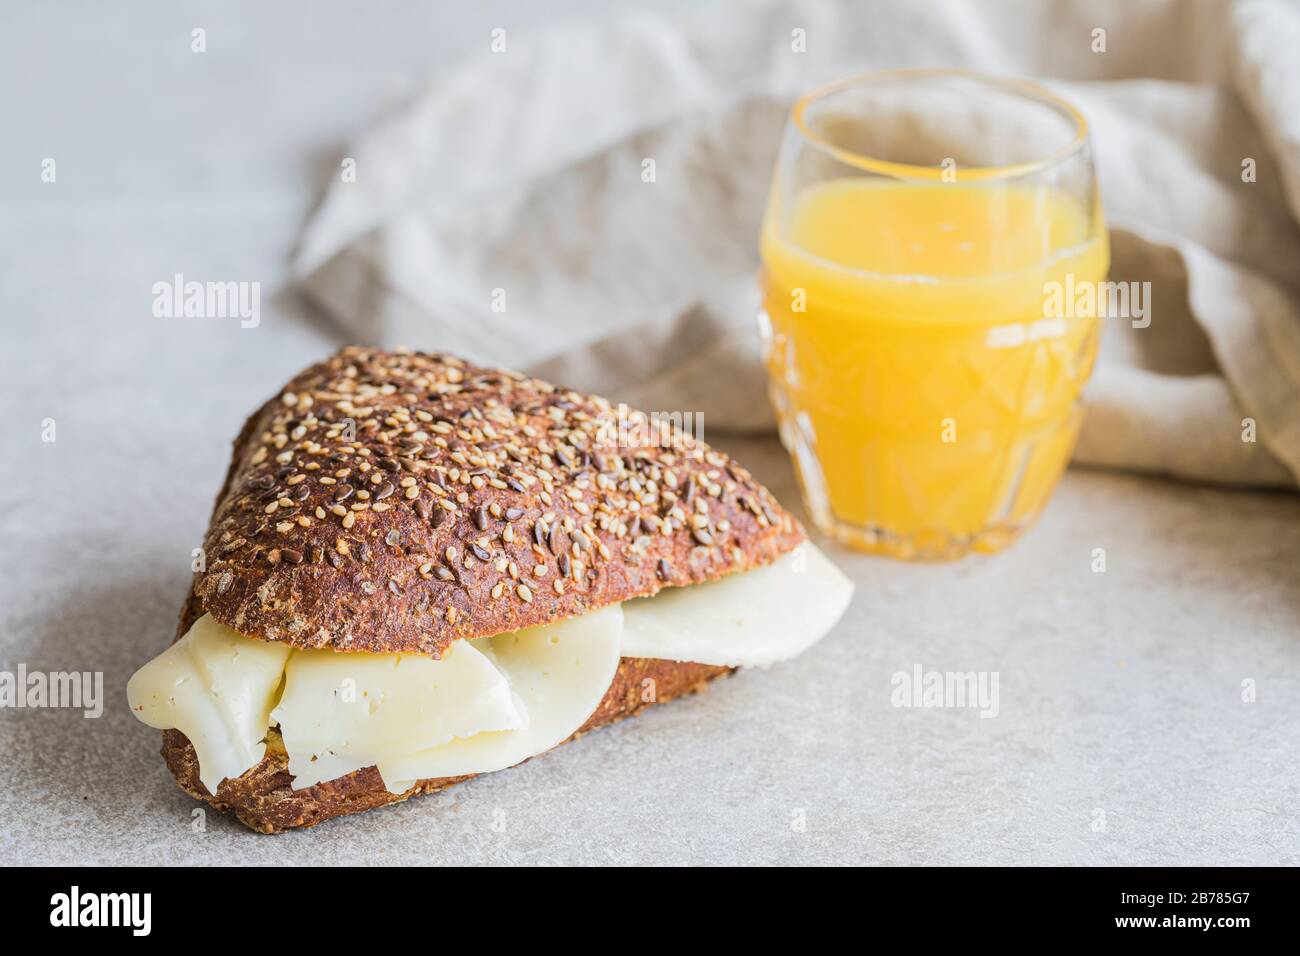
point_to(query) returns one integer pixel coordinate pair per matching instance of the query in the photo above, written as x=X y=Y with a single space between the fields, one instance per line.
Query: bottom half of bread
x=264 y=799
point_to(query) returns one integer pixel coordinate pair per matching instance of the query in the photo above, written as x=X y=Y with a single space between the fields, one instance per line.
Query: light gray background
x=1120 y=692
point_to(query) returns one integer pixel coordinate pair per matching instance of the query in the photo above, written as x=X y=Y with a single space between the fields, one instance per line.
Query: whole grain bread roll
x=398 y=501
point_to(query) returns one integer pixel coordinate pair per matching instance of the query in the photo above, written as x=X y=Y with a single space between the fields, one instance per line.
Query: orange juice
x=925 y=378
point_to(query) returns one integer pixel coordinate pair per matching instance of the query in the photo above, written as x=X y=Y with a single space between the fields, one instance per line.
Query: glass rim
x=1021 y=87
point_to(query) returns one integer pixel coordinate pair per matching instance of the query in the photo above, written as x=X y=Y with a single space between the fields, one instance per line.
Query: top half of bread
x=396 y=501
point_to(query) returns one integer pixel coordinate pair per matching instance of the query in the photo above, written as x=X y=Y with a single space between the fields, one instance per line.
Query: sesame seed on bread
x=396 y=501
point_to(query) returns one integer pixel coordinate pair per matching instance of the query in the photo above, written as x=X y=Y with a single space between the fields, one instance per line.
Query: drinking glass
x=928 y=246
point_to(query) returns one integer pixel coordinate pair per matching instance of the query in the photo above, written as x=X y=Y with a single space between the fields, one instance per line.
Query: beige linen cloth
x=503 y=214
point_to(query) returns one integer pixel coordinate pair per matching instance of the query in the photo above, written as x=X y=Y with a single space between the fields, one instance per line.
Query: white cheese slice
x=216 y=687
x=560 y=672
x=752 y=619
x=487 y=704
x=341 y=712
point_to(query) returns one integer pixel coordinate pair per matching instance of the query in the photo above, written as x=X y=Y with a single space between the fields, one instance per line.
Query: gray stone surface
x=1120 y=693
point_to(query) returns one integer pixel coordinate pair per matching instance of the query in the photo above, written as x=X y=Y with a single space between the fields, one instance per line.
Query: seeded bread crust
x=397 y=501
x=264 y=800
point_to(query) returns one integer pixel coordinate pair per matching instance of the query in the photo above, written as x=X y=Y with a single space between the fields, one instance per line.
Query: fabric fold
x=586 y=205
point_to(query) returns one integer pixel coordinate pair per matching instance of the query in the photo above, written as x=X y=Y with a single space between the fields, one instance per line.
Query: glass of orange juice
x=926 y=241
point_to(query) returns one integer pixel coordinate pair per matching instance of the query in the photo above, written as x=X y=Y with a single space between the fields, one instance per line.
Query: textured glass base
x=1013 y=506
x=921 y=546
x=928 y=445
